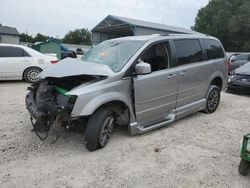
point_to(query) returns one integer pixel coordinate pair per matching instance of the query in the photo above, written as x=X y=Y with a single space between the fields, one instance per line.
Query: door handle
x=183 y=73
x=171 y=76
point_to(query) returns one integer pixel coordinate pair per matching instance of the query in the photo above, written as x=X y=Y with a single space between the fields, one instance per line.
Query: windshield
x=115 y=54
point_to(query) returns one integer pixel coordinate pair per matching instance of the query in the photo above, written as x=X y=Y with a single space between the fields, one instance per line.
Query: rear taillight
x=53 y=62
x=228 y=65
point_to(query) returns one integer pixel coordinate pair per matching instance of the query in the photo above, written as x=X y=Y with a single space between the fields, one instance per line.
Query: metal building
x=116 y=26
x=9 y=35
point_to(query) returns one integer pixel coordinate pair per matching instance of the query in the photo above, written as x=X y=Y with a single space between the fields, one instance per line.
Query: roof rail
x=155 y=34
x=171 y=34
x=179 y=34
x=184 y=34
x=165 y=34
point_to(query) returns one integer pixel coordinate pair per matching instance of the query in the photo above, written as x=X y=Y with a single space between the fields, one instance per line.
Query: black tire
x=30 y=74
x=99 y=128
x=244 y=167
x=213 y=100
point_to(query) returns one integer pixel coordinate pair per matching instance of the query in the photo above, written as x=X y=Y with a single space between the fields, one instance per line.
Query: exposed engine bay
x=48 y=102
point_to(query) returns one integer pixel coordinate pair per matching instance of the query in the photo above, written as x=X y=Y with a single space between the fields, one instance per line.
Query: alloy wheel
x=106 y=130
x=213 y=100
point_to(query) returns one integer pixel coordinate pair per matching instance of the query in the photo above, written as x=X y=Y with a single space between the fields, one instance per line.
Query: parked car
x=240 y=80
x=238 y=60
x=71 y=54
x=229 y=55
x=143 y=82
x=20 y=62
x=79 y=51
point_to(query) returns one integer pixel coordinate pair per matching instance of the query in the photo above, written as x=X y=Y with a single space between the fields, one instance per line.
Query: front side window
x=157 y=56
x=9 y=51
x=114 y=53
x=188 y=51
x=213 y=49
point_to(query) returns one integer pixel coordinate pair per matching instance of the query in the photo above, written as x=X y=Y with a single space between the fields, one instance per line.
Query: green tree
x=227 y=20
x=40 y=38
x=26 y=38
x=78 y=36
x=240 y=28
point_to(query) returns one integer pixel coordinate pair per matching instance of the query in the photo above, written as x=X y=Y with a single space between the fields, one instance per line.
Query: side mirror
x=233 y=59
x=142 y=68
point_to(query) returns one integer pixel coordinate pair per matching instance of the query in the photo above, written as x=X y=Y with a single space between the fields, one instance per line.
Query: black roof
x=8 y=30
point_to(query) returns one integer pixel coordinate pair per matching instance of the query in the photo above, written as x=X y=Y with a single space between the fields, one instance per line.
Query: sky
x=57 y=17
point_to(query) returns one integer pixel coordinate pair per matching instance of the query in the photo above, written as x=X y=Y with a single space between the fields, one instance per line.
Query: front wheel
x=99 y=128
x=213 y=100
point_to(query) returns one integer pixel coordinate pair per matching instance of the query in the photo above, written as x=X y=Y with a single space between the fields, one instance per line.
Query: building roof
x=8 y=30
x=141 y=23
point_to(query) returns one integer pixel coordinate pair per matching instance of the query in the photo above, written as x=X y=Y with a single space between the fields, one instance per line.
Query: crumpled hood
x=75 y=67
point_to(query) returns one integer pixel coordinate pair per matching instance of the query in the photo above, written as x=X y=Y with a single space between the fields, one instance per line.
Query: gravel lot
x=198 y=151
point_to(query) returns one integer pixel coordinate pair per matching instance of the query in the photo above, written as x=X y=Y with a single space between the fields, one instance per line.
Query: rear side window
x=9 y=51
x=188 y=51
x=213 y=49
x=25 y=54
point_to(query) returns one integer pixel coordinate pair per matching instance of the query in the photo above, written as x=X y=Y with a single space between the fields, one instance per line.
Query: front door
x=155 y=93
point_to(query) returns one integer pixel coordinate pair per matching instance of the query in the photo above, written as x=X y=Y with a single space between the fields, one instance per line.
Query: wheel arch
x=217 y=81
x=115 y=100
x=120 y=108
x=117 y=106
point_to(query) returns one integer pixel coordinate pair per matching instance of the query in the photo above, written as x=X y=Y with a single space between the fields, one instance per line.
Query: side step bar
x=134 y=128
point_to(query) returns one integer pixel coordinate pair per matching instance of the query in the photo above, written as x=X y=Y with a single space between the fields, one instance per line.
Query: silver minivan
x=143 y=82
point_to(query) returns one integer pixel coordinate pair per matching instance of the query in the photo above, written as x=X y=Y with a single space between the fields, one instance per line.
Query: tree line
x=228 y=20
x=78 y=36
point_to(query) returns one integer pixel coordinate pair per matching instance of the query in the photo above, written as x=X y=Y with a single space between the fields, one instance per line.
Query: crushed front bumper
x=32 y=108
x=47 y=105
x=238 y=86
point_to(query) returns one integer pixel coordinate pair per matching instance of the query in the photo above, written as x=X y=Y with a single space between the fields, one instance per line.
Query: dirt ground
x=198 y=151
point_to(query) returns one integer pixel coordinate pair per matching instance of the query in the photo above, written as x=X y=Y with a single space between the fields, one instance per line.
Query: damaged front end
x=48 y=102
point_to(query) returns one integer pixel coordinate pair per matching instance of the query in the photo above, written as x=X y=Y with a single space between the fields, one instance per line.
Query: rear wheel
x=99 y=128
x=244 y=167
x=31 y=74
x=213 y=100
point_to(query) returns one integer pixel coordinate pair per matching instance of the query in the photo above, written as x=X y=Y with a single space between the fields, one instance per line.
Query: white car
x=20 y=62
